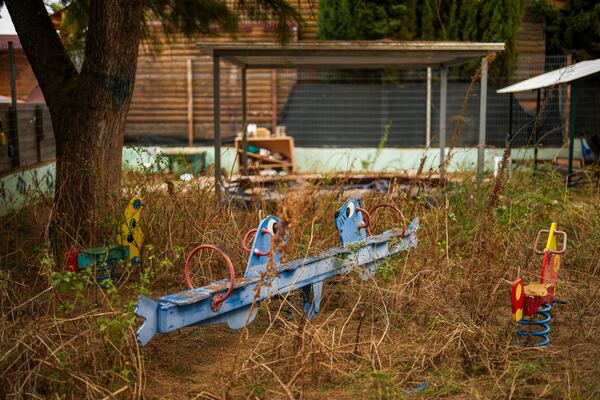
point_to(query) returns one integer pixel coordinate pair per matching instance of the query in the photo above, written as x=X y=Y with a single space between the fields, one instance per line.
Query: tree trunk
x=88 y=111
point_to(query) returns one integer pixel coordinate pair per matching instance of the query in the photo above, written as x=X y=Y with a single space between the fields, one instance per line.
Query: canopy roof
x=344 y=54
x=561 y=75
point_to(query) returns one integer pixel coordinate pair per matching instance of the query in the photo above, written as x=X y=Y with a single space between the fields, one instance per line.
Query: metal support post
x=244 y=155
x=571 y=137
x=13 y=147
x=443 y=102
x=482 y=118
x=217 y=124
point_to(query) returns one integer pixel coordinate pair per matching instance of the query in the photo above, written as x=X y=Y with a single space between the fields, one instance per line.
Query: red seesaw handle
x=217 y=299
x=392 y=207
x=245 y=239
x=256 y=251
x=367 y=218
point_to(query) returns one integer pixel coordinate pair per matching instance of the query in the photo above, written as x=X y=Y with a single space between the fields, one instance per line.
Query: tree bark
x=88 y=111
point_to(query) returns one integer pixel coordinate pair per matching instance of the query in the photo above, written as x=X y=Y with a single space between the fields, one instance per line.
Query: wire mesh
x=585 y=95
x=339 y=108
x=26 y=136
x=529 y=128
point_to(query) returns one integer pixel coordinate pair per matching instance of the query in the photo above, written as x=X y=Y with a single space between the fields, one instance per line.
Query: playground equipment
x=105 y=259
x=537 y=298
x=234 y=300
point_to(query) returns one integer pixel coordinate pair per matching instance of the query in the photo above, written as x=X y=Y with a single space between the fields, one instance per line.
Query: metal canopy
x=344 y=54
x=562 y=75
x=566 y=74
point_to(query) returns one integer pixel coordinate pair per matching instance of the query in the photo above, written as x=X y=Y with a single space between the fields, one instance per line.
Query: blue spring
x=105 y=271
x=544 y=311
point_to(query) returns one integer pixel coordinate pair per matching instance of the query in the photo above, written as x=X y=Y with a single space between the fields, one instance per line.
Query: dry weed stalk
x=439 y=313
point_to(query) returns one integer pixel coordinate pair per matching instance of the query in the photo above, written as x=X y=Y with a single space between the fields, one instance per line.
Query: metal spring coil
x=104 y=272
x=544 y=311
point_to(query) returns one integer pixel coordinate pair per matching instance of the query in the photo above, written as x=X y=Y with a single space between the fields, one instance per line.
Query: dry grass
x=440 y=313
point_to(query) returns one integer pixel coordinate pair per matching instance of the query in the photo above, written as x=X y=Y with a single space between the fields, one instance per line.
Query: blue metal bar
x=193 y=307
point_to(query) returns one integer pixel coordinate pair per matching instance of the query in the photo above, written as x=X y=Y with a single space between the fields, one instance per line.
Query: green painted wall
x=345 y=159
x=26 y=186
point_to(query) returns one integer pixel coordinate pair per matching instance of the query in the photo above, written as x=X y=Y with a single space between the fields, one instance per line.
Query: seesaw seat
x=537 y=289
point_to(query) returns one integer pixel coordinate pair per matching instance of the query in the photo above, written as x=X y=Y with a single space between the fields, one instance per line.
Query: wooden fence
x=173 y=90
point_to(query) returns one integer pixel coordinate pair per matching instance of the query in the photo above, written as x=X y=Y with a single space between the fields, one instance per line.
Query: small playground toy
x=537 y=298
x=234 y=300
x=105 y=259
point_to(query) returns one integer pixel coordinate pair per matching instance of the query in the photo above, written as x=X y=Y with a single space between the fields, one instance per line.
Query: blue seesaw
x=234 y=301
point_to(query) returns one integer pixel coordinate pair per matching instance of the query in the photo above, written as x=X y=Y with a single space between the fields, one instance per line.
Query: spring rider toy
x=105 y=259
x=537 y=298
x=234 y=300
